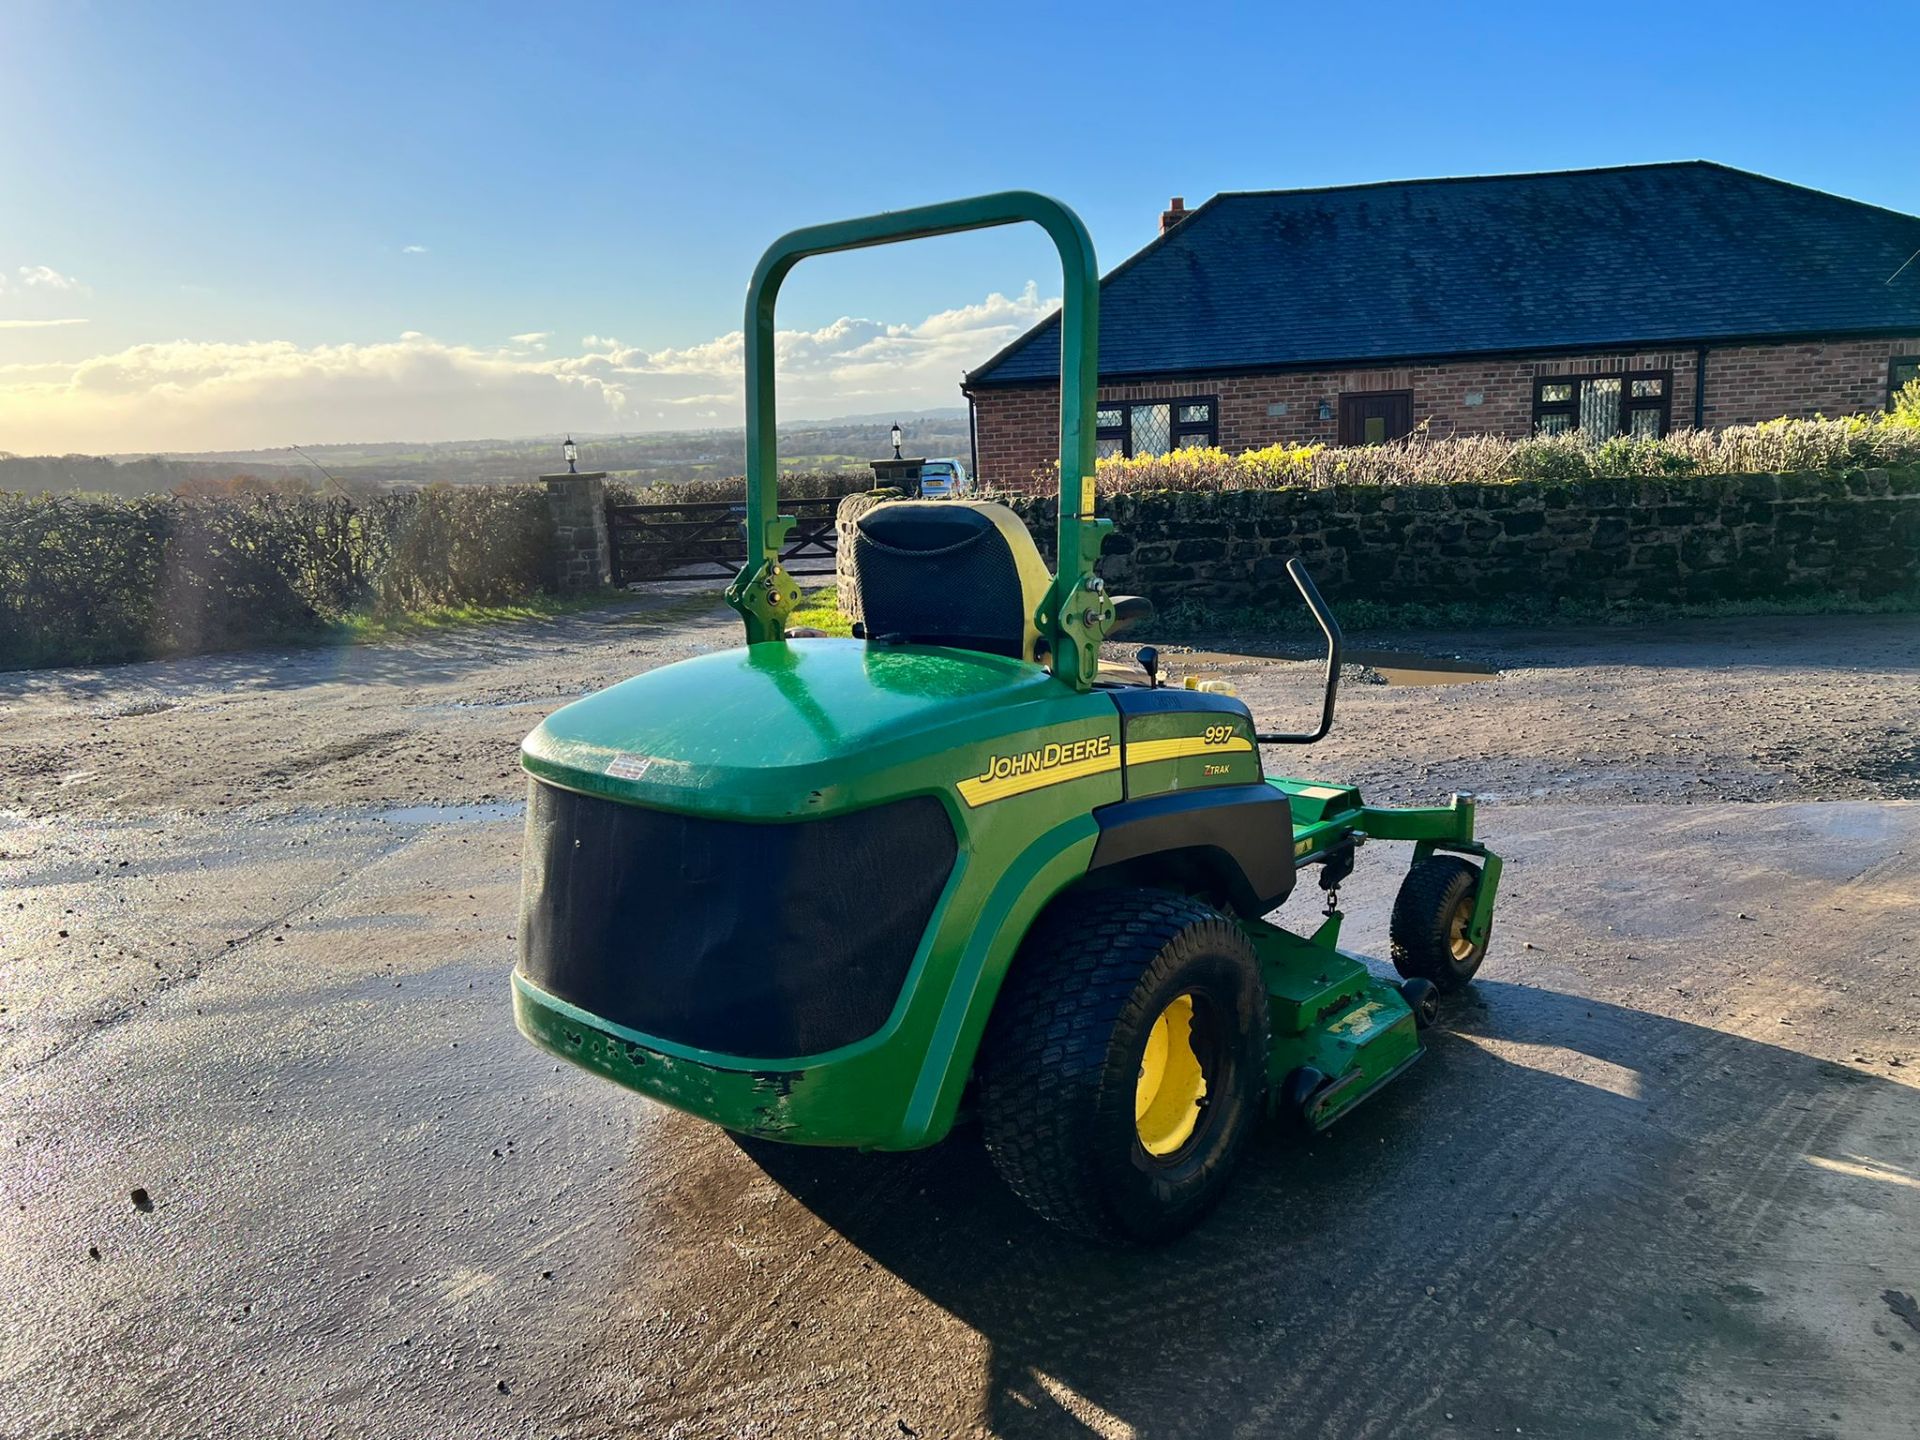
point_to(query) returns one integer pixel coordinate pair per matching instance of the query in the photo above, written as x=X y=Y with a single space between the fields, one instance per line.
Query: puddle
x=453 y=814
x=1403 y=667
x=1395 y=667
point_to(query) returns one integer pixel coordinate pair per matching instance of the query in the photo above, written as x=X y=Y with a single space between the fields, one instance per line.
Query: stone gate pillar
x=582 y=553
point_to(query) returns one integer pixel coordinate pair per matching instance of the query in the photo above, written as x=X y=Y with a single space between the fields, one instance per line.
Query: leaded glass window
x=1601 y=406
x=1153 y=427
x=1150 y=430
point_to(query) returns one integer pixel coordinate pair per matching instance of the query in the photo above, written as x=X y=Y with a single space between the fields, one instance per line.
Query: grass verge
x=820 y=610
x=363 y=629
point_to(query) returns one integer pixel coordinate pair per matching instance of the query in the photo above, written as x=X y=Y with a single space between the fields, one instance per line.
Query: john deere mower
x=833 y=891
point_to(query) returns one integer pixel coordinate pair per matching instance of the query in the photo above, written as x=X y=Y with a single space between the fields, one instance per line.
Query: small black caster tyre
x=1423 y=998
x=1431 y=916
x=1296 y=1094
x=1125 y=1064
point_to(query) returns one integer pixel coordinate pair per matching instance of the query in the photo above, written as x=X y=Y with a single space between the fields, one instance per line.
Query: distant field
x=643 y=459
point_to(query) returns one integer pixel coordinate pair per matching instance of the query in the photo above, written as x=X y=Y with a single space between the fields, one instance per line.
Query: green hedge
x=794 y=485
x=89 y=578
x=1776 y=447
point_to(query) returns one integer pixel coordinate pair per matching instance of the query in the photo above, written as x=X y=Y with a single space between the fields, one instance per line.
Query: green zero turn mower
x=827 y=891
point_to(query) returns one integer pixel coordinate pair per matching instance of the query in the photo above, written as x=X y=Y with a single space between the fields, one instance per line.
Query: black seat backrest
x=963 y=573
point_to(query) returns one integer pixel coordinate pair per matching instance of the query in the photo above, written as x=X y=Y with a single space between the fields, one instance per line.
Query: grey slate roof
x=1644 y=254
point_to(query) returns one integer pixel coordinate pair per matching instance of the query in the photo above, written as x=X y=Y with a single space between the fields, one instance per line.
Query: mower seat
x=963 y=573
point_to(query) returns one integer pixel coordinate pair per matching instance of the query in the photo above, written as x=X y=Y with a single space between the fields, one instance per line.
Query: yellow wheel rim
x=1459 y=943
x=1166 y=1100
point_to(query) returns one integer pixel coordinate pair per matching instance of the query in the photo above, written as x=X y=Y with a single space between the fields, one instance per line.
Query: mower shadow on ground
x=1566 y=1210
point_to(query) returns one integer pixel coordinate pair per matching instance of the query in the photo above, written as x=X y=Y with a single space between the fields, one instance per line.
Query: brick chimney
x=1175 y=212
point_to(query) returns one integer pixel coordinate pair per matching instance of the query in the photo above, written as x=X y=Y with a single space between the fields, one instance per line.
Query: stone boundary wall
x=850 y=511
x=1689 y=539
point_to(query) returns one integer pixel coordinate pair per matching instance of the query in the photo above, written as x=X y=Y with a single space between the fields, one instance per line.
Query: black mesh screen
x=768 y=941
x=939 y=574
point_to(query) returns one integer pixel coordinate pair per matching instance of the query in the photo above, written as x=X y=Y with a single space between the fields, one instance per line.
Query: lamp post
x=572 y=452
x=896 y=441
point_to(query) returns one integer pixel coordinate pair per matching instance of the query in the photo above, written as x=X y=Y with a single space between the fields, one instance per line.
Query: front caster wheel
x=1423 y=998
x=1125 y=1063
x=1431 y=917
x=1296 y=1094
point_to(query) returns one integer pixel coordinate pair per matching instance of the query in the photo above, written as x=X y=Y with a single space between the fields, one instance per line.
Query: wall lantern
x=1326 y=409
x=572 y=452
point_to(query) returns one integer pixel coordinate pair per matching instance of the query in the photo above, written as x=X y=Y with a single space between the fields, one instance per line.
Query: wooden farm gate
x=707 y=538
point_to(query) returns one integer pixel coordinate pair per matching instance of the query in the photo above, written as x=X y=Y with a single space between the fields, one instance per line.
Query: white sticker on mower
x=629 y=767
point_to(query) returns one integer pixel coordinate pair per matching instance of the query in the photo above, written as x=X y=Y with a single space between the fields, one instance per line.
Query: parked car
x=940 y=479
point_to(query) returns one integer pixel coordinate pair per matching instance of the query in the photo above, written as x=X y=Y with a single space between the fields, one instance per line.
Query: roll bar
x=1076 y=612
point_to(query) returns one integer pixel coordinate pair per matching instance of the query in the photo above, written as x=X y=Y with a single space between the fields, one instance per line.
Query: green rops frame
x=1076 y=613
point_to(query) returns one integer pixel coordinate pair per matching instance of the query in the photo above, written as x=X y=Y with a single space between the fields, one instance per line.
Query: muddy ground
x=1660 y=1174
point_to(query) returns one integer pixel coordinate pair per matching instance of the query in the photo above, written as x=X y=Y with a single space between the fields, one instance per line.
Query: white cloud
x=45 y=277
x=188 y=395
x=413 y=249
x=531 y=337
x=39 y=324
x=849 y=359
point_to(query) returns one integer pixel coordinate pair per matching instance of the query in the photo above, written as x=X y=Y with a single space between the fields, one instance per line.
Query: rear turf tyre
x=1431 y=916
x=1125 y=1064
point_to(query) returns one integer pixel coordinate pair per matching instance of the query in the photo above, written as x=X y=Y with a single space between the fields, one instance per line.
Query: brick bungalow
x=1633 y=300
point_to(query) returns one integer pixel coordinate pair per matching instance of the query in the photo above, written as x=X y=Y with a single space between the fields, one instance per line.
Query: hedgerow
x=794 y=485
x=1778 y=446
x=92 y=578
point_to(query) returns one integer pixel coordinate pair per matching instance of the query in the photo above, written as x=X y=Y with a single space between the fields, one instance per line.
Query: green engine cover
x=790 y=731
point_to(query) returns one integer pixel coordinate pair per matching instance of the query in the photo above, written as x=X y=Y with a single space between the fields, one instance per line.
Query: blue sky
x=238 y=211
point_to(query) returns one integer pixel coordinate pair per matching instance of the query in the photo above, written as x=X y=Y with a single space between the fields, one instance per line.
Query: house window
x=1153 y=427
x=1601 y=406
x=1901 y=371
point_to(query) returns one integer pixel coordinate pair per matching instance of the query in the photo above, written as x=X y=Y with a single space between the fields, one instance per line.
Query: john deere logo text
x=1047 y=757
x=1047 y=765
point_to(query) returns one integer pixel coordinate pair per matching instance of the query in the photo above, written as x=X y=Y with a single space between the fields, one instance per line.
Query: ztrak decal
x=1217 y=740
x=1035 y=769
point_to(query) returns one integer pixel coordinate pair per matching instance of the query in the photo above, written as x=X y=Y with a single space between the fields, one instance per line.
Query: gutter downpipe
x=973 y=441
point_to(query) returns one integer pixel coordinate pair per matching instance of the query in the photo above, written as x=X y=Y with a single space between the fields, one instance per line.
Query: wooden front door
x=1373 y=417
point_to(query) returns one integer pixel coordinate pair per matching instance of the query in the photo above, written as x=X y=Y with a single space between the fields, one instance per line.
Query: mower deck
x=1335 y=1023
